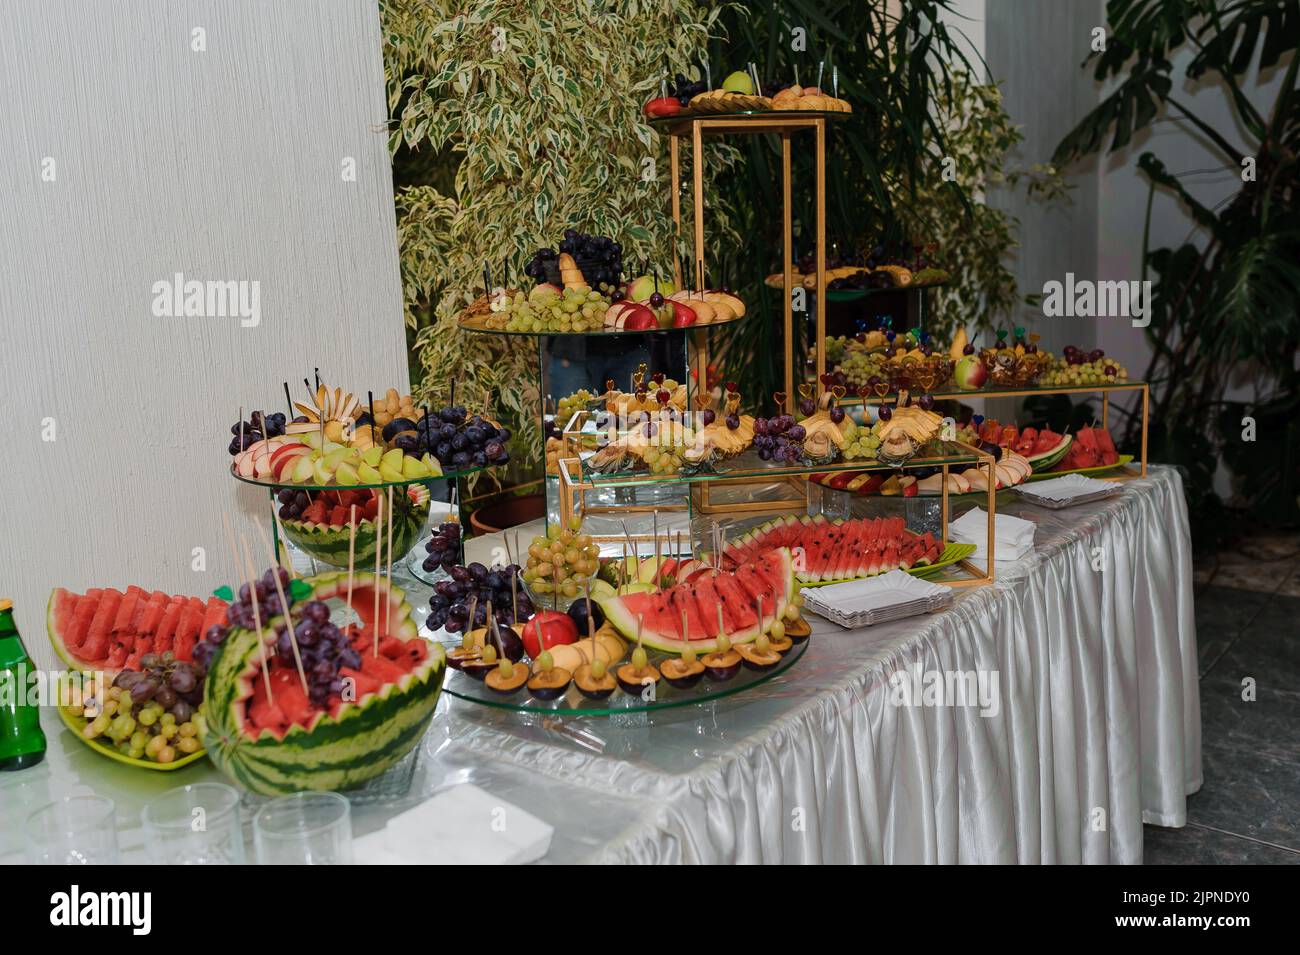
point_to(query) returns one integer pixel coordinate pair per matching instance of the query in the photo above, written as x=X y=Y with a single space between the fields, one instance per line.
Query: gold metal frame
x=573 y=487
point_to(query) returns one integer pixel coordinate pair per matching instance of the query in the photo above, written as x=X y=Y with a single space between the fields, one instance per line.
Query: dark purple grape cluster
x=258 y=426
x=240 y=613
x=444 y=547
x=779 y=438
x=683 y=89
x=293 y=501
x=458 y=439
x=598 y=256
x=449 y=605
x=1075 y=355
x=323 y=647
x=175 y=685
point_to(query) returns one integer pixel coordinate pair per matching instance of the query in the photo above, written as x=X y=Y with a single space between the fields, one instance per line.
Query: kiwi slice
x=549 y=684
x=681 y=674
x=591 y=686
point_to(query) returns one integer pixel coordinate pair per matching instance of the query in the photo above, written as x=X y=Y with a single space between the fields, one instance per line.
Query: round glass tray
x=573 y=703
x=405 y=482
x=743 y=116
x=475 y=324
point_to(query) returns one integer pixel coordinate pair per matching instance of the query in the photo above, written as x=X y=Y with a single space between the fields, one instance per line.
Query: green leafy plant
x=525 y=118
x=1226 y=307
x=915 y=105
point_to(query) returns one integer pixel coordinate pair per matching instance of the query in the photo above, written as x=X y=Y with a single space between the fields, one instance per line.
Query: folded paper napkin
x=1013 y=538
x=462 y=825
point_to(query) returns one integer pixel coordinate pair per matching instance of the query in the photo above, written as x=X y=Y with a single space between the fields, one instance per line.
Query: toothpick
x=352 y=547
x=758 y=599
x=591 y=627
x=379 y=553
x=514 y=598
x=820 y=67
x=683 y=625
x=473 y=605
x=257 y=616
x=638 y=633
x=388 y=603
x=284 y=606
x=721 y=629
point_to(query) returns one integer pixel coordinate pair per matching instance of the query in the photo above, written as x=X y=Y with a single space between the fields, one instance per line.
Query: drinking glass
x=194 y=825
x=75 y=830
x=307 y=828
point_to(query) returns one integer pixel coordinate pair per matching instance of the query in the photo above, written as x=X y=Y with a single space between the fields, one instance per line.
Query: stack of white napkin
x=1013 y=538
x=459 y=826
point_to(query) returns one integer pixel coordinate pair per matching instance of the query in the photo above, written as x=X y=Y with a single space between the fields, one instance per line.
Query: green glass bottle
x=22 y=743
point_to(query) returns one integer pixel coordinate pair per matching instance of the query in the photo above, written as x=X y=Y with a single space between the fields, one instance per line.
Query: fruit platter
x=338 y=441
x=133 y=685
x=742 y=92
x=326 y=690
x=907 y=267
x=639 y=632
x=580 y=290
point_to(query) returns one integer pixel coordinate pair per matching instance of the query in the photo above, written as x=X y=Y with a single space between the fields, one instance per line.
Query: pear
x=368 y=474
x=322 y=473
x=346 y=474
x=372 y=455
x=389 y=472
x=393 y=459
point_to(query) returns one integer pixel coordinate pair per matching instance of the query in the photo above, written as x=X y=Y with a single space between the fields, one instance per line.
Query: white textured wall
x=224 y=164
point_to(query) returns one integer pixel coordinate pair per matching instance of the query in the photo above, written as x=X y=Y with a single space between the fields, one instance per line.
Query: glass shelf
x=857 y=295
x=406 y=482
x=749 y=466
x=475 y=325
x=743 y=121
x=1022 y=391
x=573 y=703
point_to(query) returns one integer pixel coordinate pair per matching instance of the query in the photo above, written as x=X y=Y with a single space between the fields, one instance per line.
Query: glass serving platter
x=748 y=465
x=476 y=324
x=755 y=120
x=573 y=703
x=428 y=479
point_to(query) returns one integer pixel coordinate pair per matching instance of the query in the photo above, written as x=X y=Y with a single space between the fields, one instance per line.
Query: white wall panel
x=221 y=164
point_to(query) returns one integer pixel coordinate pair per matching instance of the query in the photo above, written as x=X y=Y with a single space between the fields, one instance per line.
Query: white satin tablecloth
x=1095 y=727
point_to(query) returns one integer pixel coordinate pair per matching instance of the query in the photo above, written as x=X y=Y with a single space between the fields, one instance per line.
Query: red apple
x=683 y=315
x=548 y=628
x=663 y=106
x=640 y=318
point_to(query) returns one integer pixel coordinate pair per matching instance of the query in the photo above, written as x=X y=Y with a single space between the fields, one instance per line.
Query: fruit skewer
x=284 y=606
x=257 y=619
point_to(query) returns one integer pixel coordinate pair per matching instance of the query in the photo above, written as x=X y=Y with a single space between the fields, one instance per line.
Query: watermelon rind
x=1041 y=462
x=362 y=740
x=624 y=621
x=328 y=543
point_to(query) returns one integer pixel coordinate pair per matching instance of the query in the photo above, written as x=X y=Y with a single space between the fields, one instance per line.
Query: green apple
x=372 y=455
x=413 y=467
x=640 y=289
x=636 y=588
x=739 y=82
x=312 y=439
x=389 y=472
x=393 y=459
x=322 y=473
x=333 y=458
x=369 y=475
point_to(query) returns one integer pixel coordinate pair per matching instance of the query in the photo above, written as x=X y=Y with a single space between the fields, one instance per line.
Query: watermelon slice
x=105 y=629
x=736 y=593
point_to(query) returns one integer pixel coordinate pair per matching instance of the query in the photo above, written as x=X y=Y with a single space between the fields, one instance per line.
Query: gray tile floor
x=1248 y=811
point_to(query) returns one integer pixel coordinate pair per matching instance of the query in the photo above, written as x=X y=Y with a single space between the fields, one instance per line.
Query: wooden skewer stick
x=284 y=606
x=257 y=617
x=758 y=599
x=514 y=598
x=473 y=605
x=379 y=553
x=388 y=602
x=721 y=628
x=352 y=547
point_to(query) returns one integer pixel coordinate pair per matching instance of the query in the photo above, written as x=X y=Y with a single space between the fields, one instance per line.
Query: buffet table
x=1089 y=725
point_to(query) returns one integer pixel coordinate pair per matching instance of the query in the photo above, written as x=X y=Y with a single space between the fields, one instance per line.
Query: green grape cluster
x=562 y=562
x=573 y=310
x=860 y=366
x=862 y=444
x=666 y=454
x=569 y=404
x=1104 y=371
x=835 y=347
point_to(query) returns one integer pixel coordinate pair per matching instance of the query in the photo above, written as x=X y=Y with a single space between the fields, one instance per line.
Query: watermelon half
x=303 y=747
x=328 y=543
x=735 y=593
x=109 y=630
